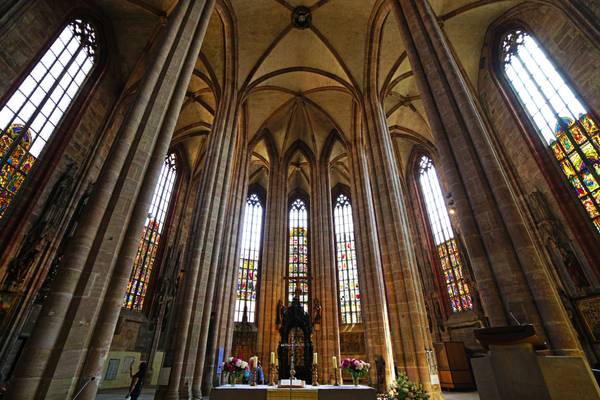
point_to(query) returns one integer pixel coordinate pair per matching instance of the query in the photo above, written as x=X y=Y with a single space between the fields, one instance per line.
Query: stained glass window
x=346 y=261
x=446 y=246
x=560 y=118
x=298 y=273
x=145 y=256
x=249 y=259
x=31 y=114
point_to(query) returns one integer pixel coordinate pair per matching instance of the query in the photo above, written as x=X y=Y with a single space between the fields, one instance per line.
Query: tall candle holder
x=315 y=375
x=272 y=374
x=253 y=376
x=335 y=377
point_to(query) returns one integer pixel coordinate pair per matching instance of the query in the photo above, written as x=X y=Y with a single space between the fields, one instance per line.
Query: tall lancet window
x=31 y=114
x=249 y=260
x=298 y=267
x=145 y=256
x=562 y=121
x=446 y=246
x=346 y=261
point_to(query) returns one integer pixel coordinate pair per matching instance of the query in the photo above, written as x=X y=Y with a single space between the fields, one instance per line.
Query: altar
x=263 y=392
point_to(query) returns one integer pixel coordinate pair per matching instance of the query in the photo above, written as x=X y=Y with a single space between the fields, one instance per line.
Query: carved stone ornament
x=301 y=17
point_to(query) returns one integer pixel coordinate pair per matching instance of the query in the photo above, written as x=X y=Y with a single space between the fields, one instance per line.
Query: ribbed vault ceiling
x=300 y=84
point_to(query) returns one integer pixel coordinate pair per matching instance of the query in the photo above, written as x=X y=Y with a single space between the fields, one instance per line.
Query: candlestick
x=315 y=358
x=253 y=377
x=272 y=373
x=335 y=376
x=315 y=374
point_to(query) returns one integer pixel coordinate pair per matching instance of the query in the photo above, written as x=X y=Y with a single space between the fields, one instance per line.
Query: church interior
x=410 y=183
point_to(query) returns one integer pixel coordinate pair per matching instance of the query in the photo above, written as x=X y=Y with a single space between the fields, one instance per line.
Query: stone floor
x=148 y=394
x=461 y=396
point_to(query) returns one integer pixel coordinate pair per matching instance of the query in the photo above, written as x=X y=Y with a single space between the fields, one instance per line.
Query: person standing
x=137 y=380
x=260 y=374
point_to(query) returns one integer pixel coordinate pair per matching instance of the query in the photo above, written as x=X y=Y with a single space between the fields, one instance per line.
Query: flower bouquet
x=357 y=368
x=235 y=368
x=403 y=389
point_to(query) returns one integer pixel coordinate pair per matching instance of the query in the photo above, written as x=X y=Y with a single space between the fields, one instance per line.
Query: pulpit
x=513 y=370
x=295 y=347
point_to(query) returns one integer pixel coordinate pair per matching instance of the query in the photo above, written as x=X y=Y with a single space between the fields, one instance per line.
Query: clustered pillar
x=324 y=283
x=77 y=322
x=511 y=276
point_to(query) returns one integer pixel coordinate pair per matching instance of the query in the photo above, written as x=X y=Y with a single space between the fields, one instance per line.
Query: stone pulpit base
x=516 y=372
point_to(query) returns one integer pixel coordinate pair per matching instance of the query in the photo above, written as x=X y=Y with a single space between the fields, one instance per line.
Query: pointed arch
x=445 y=248
x=249 y=263
x=298 y=270
x=42 y=101
x=150 y=241
x=346 y=258
x=555 y=111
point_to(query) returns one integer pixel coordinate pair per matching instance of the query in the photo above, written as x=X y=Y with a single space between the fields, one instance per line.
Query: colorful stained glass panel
x=145 y=257
x=528 y=68
x=449 y=256
x=245 y=305
x=298 y=252
x=348 y=287
x=30 y=115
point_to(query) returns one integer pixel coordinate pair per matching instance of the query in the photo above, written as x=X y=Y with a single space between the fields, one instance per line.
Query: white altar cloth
x=263 y=392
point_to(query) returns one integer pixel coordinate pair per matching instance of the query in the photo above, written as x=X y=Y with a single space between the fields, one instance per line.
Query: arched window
x=446 y=246
x=561 y=120
x=249 y=260
x=346 y=261
x=149 y=242
x=298 y=267
x=32 y=113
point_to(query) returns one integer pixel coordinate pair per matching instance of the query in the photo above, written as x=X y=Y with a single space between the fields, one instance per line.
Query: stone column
x=324 y=283
x=370 y=271
x=406 y=306
x=113 y=301
x=510 y=272
x=53 y=358
x=274 y=256
x=226 y=293
x=203 y=260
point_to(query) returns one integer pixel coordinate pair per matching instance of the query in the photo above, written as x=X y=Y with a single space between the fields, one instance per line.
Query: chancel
x=301 y=199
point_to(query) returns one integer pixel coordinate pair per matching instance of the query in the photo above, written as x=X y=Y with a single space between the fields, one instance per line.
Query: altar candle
x=315 y=358
x=335 y=364
x=277 y=362
x=272 y=358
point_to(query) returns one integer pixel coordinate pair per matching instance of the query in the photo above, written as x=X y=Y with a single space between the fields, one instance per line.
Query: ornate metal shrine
x=296 y=344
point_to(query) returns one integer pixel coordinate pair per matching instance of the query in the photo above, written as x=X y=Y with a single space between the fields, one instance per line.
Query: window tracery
x=446 y=245
x=348 y=287
x=560 y=118
x=145 y=256
x=32 y=113
x=298 y=265
x=249 y=260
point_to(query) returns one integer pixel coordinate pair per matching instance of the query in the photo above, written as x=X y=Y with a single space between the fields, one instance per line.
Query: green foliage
x=403 y=388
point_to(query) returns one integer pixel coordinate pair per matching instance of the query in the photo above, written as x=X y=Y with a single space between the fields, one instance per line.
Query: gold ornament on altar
x=315 y=370
x=335 y=371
